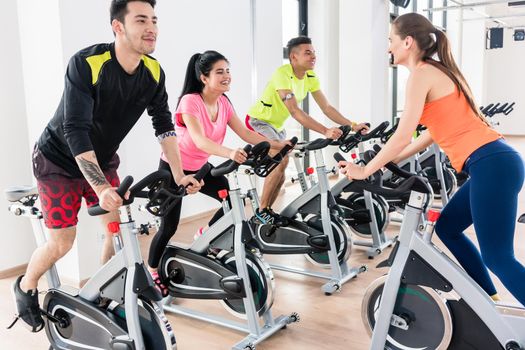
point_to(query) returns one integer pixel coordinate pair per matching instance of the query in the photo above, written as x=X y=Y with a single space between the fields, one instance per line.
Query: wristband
x=165 y=135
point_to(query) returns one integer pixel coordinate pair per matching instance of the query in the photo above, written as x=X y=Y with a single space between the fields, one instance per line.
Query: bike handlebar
x=135 y=191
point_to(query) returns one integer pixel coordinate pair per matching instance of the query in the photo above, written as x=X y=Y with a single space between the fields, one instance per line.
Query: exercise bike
x=313 y=228
x=427 y=301
x=365 y=212
x=117 y=308
x=219 y=265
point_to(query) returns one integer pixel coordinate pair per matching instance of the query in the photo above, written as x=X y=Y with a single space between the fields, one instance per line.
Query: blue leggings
x=488 y=200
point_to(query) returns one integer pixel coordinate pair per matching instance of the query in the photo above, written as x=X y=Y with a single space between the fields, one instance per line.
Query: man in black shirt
x=107 y=88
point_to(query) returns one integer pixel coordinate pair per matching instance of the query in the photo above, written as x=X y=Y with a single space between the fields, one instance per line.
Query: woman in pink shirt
x=202 y=116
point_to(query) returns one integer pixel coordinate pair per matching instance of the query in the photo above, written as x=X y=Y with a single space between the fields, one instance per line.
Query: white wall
x=504 y=82
x=323 y=20
x=473 y=54
x=17 y=241
x=363 y=42
x=494 y=75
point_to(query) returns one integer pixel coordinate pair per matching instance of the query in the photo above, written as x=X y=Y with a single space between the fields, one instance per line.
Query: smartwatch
x=288 y=96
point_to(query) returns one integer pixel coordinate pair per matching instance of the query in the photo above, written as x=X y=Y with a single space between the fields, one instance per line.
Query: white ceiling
x=513 y=16
x=504 y=11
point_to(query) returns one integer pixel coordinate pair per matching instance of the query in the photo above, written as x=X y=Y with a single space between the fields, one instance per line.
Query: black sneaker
x=27 y=307
x=268 y=216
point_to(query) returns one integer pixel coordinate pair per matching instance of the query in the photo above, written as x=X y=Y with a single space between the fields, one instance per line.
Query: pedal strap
x=14 y=322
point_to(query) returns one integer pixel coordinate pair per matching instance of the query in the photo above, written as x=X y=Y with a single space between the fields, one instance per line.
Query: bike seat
x=16 y=193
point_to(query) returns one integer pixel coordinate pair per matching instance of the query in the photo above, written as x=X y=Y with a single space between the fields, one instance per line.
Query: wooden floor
x=327 y=322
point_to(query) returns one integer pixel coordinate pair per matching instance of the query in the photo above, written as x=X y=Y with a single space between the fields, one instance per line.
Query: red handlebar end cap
x=433 y=215
x=309 y=171
x=114 y=227
x=223 y=194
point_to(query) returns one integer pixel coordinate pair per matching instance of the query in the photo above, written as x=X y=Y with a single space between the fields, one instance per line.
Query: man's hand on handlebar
x=191 y=184
x=362 y=127
x=279 y=145
x=333 y=133
x=109 y=199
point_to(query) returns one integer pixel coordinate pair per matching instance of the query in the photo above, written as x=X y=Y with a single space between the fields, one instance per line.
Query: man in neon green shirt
x=288 y=86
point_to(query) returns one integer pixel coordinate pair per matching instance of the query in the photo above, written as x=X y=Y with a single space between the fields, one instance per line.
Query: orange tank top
x=456 y=128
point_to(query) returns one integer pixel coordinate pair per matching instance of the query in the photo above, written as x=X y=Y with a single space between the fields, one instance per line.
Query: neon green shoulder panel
x=153 y=66
x=96 y=62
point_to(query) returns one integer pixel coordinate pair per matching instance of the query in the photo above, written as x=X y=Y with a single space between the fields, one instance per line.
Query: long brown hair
x=430 y=41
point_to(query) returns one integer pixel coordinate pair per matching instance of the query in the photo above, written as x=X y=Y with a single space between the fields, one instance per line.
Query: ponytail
x=433 y=41
x=192 y=82
x=199 y=64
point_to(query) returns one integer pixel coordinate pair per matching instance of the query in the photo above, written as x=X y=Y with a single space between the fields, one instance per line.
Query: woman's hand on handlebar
x=362 y=127
x=333 y=133
x=191 y=184
x=109 y=199
x=352 y=171
x=238 y=155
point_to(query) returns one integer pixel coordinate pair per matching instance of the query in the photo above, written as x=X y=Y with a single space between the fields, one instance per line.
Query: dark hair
x=294 y=42
x=421 y=29
x=200 y=63
x=119 y=8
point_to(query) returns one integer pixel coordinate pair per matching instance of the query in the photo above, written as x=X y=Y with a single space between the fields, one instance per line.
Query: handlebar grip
x=259 y=149
x=229 y=165
x=124 y=186
x=199 y=175
x=507 y=112
x=121 y=190
x=287 y=147
x=338 y=157
x=376 y=131
x=96 y=210
x=509 y=109
x=247 y=148
x=494 y=109
x=317 y=144
x=502 y=107
x=394 y=168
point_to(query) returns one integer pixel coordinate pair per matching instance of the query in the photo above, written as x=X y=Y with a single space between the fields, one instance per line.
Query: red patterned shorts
x=61 y=195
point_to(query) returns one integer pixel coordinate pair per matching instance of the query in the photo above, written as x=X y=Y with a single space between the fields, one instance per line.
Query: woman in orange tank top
x=438 y=96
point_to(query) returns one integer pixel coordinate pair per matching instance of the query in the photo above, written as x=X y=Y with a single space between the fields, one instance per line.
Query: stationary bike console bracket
x=161 y=200
x=418 y=272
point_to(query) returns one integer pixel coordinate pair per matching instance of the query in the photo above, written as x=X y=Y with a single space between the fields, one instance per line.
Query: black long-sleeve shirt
x=100 y=105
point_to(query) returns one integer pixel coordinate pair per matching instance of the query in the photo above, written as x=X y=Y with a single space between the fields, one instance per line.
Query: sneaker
x=280 y=220
x=268 y=217
x=159 y=284
x=198 y=234
x=27 y=307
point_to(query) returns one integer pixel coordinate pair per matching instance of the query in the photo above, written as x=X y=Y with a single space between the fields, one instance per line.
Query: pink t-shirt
x=193 y=158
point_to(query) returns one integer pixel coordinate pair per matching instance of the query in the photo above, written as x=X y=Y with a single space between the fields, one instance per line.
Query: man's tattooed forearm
x=92 y=172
